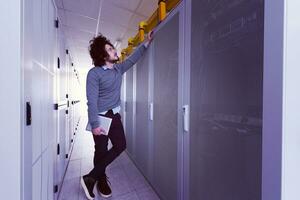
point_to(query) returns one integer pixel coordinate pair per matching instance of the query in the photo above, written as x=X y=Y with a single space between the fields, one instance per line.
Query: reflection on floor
x=127 y=182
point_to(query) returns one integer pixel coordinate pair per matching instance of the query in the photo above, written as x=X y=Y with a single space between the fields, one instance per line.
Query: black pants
x=102 y=156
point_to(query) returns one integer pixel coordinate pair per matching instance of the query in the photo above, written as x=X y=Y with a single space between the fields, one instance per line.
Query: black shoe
x=88 y=184
x=103 y=187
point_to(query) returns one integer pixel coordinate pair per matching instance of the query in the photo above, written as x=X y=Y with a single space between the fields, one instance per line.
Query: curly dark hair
x=97 y=50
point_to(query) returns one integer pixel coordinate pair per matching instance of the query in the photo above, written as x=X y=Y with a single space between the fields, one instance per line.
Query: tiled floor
x=127 y=182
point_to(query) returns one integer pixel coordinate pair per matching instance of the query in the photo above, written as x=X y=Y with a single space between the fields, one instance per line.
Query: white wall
x=10 y=104
x=291 y=103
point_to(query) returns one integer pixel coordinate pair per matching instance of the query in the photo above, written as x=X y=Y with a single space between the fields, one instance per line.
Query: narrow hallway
x=207 y=91
x=126 y=180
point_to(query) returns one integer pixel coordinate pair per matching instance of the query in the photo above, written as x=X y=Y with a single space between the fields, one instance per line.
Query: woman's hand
x=98 y=131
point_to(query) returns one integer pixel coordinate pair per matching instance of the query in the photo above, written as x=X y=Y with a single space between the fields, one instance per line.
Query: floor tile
x=119 y=182
x=129 y=196
x=126 y=180
x=70 y=189
x=73 y=170
x=146 y=193
x=135 y=177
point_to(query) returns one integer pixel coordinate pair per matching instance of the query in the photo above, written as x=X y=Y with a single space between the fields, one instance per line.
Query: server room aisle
x=127 y=182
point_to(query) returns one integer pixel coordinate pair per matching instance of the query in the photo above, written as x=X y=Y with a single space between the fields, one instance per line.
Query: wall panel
x=36 y=180
x=45 y=171
x=36 y=111
x=37 y=30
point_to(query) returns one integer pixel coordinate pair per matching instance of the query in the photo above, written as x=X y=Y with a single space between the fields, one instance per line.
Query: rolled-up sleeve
x=92 y=94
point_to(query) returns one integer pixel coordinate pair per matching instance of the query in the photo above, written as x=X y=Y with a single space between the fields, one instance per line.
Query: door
x=226 y=100
x=167 y=131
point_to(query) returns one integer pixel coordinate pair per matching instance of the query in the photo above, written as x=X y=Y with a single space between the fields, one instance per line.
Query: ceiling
x=118 y=20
